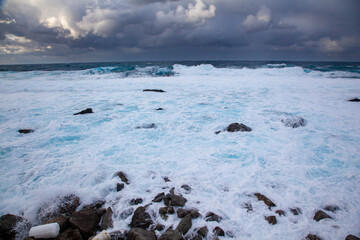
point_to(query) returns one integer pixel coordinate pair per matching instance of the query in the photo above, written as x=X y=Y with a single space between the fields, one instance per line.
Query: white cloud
x=194 y=13
x=259 y=22
x=7 y=21
x=13 y=44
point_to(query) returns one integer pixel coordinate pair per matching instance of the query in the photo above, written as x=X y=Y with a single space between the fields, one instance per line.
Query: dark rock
x=107 y=221
x=351 y=237
x=117 y=235
x=217 y=132
x=126 y=213
x=123 y=177
x=196 y=237
x=171 y=234
x=181 y=212
x=248 y=206
x=280 y=213
x=312 y=237
x=159 y=109
x=296 y=211
x=86 y=111
x=147 y=126
x=294 y=122
x=319 y=215
x=95 y=205
x=236 y=127
x=218 y=231
x=141 y=219
x=62 y=220
x=70 y=235
x=166 y=179
x=159 y=197
x=163 y=211
x=136 y=201
x=154 y=90
x=140 y=234
x=354 y=100
x=266 y=200
x=26 y=131
x=184 y=225
x=171 y=199
x=68 y=204
x=332 y=208
x=186 y=187
x=202 y=231
x=11 y=226
x=271 y=220
x=212 y=217
x=86 y=221
x=158 y=227
x=119 y=187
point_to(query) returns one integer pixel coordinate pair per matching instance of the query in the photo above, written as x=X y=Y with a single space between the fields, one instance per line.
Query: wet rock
x=351 y=237
x=218 y=231
x=212 y=217
x=70 y=235
x=295 y=211
x=126 y=213
x=11 y=226
x=107 y=221
x=181 y=212
x=86 y=111
x=86 y=221
x=203 y=231
x=101 y=211
x=141 y=219
x=319 y=215
x=163 y=211
x=154 y=90
x=166 y=179
x=230 y=234
x=171 y=234
x=236 y=127
x=140 y=234
x=186 y=187
x=312 y=237
x=123 y=177
x=294 y=122
x=196 y=237
x=147 y=126
x=158 y=227
x=62 y=220
x=95 y=205
x=280 y=213
x=159 y=197
x=119 y=187
x=184 y=225
x=332 y=208
x=266 y=200
x=271 y=220
x=159 y=109
x=26 y=131
x=354 y=100
x=248 y=207
x=117 y=235
x=68 y=204
x=217 y=132
x=171 y=199
x=136 y=201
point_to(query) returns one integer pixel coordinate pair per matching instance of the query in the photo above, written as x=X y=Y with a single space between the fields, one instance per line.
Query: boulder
x=196 y=237
x=184 y=225
x=212 y=217
x=136 y=201
x=154 y=90
x=163 y=211
x=26 y=131
x=295 y=211
x=86 y=111
x=158 y=227
x=332 y=208
x=319 y=215
x=351 y=237
x=86 y=221
x=123 y=177
x=107 y=221
x=140 y=234
x=354 y=100
x=271 y=220
x=166 y=179
x=141 y=219
x=171 y=199
x=171 y=234
x=96 y=205
x=119 y=187
x=181 y=212
x=236 y=127
x=68 y=204
x=202 y=231
x=280 y=212
x=312 y=237
x=117 y=235
x=266 y=200
x=218 y=231
x=159 y=197
x=62 y=220
x=12 y=226
x=70 y=235
x=294 y=121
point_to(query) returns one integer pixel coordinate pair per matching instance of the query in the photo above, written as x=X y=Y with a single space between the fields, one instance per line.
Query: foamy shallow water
x=307 y=167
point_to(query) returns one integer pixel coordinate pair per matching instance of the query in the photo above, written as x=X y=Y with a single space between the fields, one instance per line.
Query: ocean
x=152 y=135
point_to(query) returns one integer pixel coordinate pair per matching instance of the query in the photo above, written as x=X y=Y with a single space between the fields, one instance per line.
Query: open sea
x=306 y=167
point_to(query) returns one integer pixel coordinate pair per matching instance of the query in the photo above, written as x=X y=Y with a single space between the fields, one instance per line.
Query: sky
x=50 y=31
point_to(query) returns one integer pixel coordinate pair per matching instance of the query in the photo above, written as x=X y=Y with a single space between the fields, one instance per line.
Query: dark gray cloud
x=67 y=30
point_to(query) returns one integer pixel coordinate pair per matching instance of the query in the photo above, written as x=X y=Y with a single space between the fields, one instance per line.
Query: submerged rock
x=26 y=131
x=184 y=225
x=294 y=122
x=147 y=126
x=159 y=197
x=332 y=208
x=247 y=206
x=171 y=234
x=11 y=226
x=266 y=200
x=280 y=212
x=86 y=221
x=86 y=111
x=107 y=221
x=296 y=211
x=212 y=217
x=186 y=187
x=271 y=220
x=126 y=213
x=159 y=109
x=136 y=201
x=140 y=234
x=123 y=177
x=351 y=237
x=236 y=127
x=154 y=90
x=319 y=215
x=354 y=100
x=141 y=219
x=312 y=237
x=166 y=179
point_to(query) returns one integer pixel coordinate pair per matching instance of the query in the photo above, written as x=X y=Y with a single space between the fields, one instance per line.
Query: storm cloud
x=121 y=30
